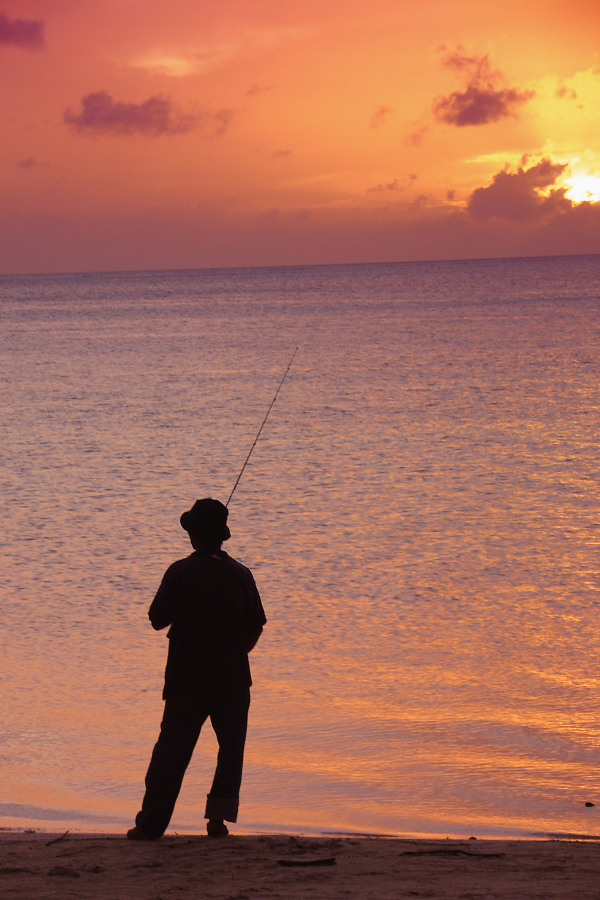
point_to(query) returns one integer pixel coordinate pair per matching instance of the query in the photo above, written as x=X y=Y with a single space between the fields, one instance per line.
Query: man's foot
x=216 y=828
x=136 y=834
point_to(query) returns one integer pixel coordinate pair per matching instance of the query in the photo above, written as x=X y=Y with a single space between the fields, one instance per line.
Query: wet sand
x=283 y=867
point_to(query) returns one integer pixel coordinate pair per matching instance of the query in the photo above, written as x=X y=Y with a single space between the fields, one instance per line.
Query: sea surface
x=421 y=513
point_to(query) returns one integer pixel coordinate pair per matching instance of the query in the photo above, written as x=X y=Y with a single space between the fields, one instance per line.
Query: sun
x=582 y=188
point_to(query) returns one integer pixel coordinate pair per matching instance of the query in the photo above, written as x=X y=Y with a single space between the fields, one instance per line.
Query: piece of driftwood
x=56 y=840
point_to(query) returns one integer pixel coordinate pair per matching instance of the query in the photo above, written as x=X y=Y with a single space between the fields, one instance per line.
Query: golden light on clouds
x=174 y=65
x=583 y=188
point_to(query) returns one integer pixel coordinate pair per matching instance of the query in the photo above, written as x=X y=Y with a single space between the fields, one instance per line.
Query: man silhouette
x=215 y=614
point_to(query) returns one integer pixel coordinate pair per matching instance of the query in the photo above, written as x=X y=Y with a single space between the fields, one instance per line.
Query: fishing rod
x=262 y=426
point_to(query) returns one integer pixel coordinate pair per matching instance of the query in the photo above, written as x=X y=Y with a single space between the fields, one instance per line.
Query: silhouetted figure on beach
x=215 y=614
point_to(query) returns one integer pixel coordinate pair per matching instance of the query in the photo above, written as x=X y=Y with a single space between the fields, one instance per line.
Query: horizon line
x=239 y=268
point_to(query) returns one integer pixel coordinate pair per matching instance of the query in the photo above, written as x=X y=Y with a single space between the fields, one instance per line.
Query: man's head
x=207 y=521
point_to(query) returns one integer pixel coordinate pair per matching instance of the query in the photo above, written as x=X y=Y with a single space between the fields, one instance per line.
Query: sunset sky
x=143 y=134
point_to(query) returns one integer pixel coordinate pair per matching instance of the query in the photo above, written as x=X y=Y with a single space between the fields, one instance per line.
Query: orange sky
x=151 y=134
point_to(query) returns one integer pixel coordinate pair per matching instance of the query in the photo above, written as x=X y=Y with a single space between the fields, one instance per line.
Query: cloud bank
x=21 y=32
x=484 y=98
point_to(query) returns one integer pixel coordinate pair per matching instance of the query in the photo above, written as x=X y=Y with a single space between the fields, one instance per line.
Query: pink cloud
x=220 y=120
x=21 y=32
x=397 y=185
x=565 y=93
x=484 y=98
x=380 y=115
x=416 y=137
x=257 y=89
x=390 y=186
x=516 y=195
x=29 y=163
x=100 y=114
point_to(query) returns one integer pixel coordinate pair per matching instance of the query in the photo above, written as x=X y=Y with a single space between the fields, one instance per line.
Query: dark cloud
x=416 y=137
x=479 y=105
x=565 y=93
x=29 y=163
x=484 y=99
x=280 y=154
x=517 y=196
x=390 y=186
x=257 y=89
x=21 y=32
x=380 y=115
x=100 y=114
x=421 y=202
x=218 y=122
x=395 y=185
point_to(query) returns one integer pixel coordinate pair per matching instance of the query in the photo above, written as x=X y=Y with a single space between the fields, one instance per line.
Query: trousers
x=182 y=722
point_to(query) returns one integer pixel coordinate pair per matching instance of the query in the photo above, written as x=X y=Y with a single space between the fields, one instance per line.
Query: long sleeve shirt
x=215 y=614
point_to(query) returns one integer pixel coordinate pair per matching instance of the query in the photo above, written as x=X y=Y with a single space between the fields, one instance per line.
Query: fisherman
x=215 y=614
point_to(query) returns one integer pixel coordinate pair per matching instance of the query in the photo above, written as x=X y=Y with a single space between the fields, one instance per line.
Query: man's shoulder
x=234 y=563
x=201 y=560
x=183 y=569
x=181 y=564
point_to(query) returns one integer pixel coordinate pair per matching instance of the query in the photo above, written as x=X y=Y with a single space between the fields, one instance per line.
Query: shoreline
x=50 y=865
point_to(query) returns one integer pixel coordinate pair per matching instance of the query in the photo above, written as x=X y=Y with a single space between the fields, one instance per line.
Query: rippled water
x=421 y=514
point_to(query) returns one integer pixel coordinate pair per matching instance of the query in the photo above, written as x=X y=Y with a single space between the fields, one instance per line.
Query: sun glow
x=583 y=188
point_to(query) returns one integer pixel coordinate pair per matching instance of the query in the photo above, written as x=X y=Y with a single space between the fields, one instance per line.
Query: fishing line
x=262 y=426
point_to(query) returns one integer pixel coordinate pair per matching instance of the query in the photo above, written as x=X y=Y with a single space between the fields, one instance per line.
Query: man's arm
x=252 y=638
x=161 y=609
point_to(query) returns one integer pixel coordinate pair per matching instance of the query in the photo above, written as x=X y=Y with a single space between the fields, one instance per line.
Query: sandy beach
x=105 y=867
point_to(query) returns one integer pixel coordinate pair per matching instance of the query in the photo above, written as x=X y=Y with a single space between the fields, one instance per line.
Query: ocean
x=421 y=513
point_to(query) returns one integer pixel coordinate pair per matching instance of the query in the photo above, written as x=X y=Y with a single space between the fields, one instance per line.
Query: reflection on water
x=421 y=515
